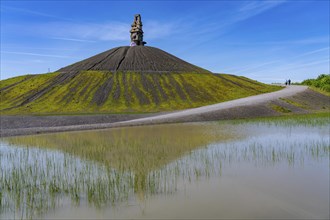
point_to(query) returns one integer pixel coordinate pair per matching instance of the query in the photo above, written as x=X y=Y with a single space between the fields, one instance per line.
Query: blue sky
x=268 y=41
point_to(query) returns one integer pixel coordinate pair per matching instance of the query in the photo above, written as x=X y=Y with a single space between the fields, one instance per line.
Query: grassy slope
x=96 y=91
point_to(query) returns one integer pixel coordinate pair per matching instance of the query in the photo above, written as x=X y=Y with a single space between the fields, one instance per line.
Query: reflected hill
x=139 y=150
x=135 y=149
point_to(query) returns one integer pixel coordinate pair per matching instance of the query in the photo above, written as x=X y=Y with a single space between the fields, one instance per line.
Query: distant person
x=289 y=82
x=286 y=82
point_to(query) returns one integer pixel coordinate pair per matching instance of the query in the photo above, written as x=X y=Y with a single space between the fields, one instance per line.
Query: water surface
x=246 y=169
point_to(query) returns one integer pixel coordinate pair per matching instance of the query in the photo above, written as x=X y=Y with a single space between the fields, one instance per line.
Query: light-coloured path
x=170 y=117
x=251 y=100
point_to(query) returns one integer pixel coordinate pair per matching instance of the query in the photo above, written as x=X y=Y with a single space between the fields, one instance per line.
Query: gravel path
x=252 y=106
x=252 y=100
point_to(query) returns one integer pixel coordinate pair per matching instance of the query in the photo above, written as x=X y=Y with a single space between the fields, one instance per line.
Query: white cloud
x=253 y=8
x=305 y=41
x=72 y=39
x=286 y=64
x=298 y=69
x=254 y=67
x=79 y=32
x=35 y=54
x=313 y=52
x=92 y=32
x=245 y=11
x=302 y=65
x=114 y=31
x=31 y=12
x=213 y=30
x=156 y=30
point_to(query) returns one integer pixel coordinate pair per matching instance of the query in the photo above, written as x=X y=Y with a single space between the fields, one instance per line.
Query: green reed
x=312 y=119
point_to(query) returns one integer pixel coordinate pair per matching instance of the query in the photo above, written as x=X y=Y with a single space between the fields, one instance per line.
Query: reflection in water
x=116 y=166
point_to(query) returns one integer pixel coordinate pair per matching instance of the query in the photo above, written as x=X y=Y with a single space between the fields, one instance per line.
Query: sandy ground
x=253 y=106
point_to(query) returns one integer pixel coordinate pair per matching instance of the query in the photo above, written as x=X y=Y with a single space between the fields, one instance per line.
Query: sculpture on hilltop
x=137 y=32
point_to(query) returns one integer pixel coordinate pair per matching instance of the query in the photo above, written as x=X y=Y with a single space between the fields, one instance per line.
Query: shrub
x=322 y=82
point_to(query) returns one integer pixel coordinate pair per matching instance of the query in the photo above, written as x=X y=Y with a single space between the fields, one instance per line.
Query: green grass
x=297 y=104
x=279 y=108
x=320 y=90
x=105 y=92
x=312 y=119
x=11 y=81
x=16 y=94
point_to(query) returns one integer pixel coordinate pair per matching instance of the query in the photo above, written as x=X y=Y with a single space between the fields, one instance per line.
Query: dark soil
x=12 y=122
x=103 y=91
x=58 y=80
x=134 y=59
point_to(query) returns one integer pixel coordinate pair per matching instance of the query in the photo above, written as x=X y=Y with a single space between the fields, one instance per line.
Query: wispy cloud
x=157 y=30
x=212 y=30
x=305 y=41
x=301 y=65
x=253 y=8
x=313 y=52
x=24 y=62
x=72 y=39
x=284 y=69
x=21 y=48
x=254 y=67
x=247 y=10
x=290 y=63
x=31 y=12
x=111 y=31
x=34 y=54
x=93 y=32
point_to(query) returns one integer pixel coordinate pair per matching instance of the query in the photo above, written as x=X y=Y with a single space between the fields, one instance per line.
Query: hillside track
x=200 y=111
x=249 y=107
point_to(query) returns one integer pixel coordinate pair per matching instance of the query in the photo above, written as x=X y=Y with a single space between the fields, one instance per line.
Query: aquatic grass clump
x=32 y=187
x=313 y=119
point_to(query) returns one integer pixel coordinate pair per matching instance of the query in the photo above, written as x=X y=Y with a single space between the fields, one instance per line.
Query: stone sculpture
x=137 y=32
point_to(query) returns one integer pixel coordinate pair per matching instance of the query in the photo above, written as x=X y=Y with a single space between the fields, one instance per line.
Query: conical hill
x=95 y=91
x=134 y=78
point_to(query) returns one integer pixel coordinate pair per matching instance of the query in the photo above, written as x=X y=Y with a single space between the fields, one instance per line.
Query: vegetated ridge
x=123 y=79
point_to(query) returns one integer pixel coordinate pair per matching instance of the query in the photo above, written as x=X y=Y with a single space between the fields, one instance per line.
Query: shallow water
x=261 y=169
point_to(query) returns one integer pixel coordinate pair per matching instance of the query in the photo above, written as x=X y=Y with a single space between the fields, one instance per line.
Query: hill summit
x=134 y=59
